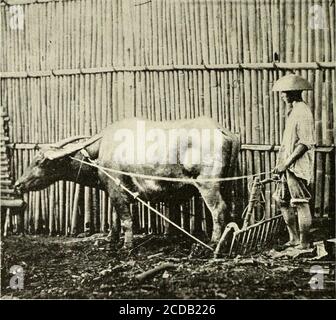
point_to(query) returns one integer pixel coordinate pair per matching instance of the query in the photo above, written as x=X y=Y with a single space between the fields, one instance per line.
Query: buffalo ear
x=43 y=160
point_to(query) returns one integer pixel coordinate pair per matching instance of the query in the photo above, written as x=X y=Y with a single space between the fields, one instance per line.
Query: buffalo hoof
x=127 y=246
x=200 y=252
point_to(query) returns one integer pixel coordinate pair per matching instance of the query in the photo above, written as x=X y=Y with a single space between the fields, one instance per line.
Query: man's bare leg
x=290 y=220
x=305 y=221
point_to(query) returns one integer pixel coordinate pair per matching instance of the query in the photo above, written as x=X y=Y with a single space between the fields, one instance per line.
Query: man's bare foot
x=291 y=243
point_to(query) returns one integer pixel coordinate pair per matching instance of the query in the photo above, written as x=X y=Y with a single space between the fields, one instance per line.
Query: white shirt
x=299 y=130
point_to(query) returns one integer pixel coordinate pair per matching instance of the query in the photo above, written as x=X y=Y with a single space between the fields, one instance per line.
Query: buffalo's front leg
x=120 y=201
x=216 y=205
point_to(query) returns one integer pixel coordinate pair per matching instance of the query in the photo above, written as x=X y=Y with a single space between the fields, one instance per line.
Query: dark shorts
x=291 y=190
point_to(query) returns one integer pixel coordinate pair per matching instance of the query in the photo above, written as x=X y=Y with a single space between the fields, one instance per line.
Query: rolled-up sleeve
x=305 y=130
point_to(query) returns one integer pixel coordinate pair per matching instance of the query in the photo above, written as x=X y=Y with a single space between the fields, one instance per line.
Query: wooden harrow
x=252 y=236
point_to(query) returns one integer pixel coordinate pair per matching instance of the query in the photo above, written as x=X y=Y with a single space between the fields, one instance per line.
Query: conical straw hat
x=291 y=82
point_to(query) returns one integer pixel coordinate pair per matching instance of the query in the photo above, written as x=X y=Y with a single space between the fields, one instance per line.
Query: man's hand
x=280 y=168
x=297 y=153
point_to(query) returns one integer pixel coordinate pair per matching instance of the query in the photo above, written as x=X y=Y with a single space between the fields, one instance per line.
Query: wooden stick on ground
x=153 y=272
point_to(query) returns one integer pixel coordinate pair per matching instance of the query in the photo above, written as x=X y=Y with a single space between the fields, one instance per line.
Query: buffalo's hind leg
x=215 y=203
x=124 y=213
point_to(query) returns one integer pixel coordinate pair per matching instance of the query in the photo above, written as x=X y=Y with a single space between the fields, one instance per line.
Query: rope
x=184 y=180
x=135 y=196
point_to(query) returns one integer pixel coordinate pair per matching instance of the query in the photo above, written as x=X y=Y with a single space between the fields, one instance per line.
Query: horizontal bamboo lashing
x=161 y=68
x=25 y=2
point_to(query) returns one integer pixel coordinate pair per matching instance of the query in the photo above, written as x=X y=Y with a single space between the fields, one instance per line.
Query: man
x=295 y=160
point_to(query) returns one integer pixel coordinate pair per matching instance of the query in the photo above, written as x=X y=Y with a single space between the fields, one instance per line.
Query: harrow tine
x=268 y=232
x=264 y=233
x=277 y=225
x=275 y=229
x=255 y=243
x=260 y=238
x=274 y=226
x=246 y=245
x=242 y=238
x=239 y=244
x=253 y=237
x=234 y=241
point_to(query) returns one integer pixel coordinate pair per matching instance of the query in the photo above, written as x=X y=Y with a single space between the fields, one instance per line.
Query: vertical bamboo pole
x=272 y=79
x=162 y=60
x=57 y=211
x=26 y=212
x=149 y=218
x=311 y=54
x=245 y=133
x=128 y=16
x=87 y=210
x=290 y=43
x=104 y=208
x=96 y=221
x=36 y=212
x=109 y=214
x=264 y=85
x=51 y=210
x=101 y=211
x=247 y=87
x=115 y=221
x=109 y=93
x=304 y=41
x=75 y=210
x=236 y=74
x=66 y=206
x=328 y=140
x=81 y=99
x=3 y=62
x=139 y=217
x=188 y=32
x=30 y=211
x=142 y=212
x=74 y=24
x=138 y=61
x=195 y=7
x=282 y=26
x=318 y=125
x=192 y=215
x=43 y=211
x=261 y=56
x=253 y=58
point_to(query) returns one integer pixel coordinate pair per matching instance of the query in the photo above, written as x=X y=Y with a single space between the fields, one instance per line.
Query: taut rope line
x=136 y=196
x=188 y=180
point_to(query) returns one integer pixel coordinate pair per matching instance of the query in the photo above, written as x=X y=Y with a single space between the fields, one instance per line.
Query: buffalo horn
x=66 y=141
x=57 y=154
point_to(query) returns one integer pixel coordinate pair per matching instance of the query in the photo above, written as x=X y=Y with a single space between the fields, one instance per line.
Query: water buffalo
x=198 y=148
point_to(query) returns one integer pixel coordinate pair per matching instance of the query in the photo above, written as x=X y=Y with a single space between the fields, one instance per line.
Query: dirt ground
x=68 y=268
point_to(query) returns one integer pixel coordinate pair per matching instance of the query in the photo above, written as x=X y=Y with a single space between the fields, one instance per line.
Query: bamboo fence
x=77 y=65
